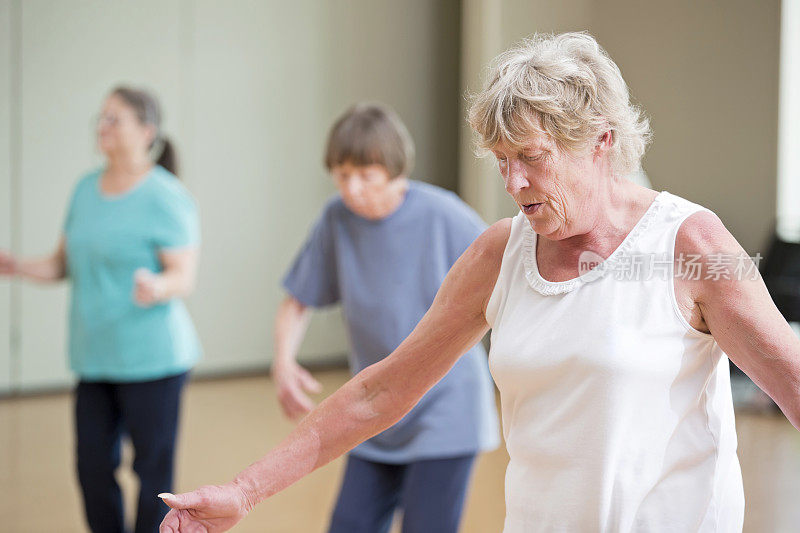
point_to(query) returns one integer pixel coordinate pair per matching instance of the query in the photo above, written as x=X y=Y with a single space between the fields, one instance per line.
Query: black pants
x=148 y=413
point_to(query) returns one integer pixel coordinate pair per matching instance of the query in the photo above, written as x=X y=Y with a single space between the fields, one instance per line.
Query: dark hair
x=148 y=111
x=371 y=134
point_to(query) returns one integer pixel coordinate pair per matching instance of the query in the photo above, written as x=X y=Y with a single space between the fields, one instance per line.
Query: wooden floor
x=229 y=423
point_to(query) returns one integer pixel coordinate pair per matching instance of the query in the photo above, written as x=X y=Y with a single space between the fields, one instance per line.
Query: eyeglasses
x=107 y=120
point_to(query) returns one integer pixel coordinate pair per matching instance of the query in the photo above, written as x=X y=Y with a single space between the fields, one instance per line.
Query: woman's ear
x=604 y=142
x=152 y=132
x=607 y=139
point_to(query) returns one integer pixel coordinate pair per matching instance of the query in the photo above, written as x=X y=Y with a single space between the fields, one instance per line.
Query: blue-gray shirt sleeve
x=312 y=279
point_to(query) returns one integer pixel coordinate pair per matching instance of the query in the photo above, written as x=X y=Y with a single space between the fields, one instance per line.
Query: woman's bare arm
x=371 y=401
x=741 y=315
x=292 y=381
x=50 y=268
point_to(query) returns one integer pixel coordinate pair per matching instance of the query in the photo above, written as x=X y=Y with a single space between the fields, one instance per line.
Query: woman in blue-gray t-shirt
x=382 y=248
x=129 y=249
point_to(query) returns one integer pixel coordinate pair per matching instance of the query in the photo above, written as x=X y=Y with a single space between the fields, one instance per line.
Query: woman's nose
x=353 y=187
x=516 y=178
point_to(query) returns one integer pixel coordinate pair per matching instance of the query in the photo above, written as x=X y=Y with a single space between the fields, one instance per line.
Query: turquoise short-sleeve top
x=111 y=337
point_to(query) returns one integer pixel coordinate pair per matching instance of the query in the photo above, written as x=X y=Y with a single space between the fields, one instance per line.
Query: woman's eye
x=532 y=158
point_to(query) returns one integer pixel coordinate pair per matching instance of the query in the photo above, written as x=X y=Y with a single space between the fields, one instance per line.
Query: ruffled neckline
x=550 y=288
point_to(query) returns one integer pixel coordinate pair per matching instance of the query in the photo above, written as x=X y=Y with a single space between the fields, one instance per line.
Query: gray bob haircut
x=563 y=86
x=371 y=134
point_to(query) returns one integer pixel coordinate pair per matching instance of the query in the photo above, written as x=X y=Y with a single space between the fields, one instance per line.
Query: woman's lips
x=530 y=209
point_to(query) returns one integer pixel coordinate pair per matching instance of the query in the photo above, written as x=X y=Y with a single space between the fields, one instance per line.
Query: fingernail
x=166 y=495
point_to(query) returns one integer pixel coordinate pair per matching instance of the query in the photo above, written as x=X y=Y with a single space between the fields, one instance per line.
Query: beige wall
x=249 y=89
x=706 y=73
x=405 y=52
x=255 y=103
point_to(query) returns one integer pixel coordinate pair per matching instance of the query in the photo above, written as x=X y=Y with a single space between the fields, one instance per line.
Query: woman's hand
x=293 y=382
x=208 y=509
x=148 y=287
x=8 y=264
x=175 y=280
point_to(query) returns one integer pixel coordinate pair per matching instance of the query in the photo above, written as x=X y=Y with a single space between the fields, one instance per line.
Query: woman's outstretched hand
x=208 y=509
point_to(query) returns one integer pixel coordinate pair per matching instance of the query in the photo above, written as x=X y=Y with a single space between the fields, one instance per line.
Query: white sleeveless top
x=617 y=413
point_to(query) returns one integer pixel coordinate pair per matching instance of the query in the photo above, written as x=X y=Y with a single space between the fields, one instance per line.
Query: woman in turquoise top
x=130 y=249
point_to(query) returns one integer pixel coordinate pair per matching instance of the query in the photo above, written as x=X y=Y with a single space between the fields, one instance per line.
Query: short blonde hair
x=371 y=134
x=566 y=87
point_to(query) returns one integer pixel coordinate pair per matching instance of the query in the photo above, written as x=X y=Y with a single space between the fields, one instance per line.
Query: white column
x=6 y=212
x=789 y=124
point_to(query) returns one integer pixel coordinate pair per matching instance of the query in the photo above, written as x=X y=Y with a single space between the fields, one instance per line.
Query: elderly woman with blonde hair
x=608 y=346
